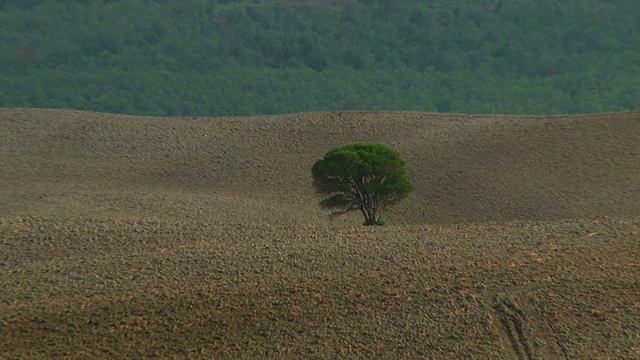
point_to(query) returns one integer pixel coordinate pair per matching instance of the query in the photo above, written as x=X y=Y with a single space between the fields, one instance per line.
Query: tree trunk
x=370 y=217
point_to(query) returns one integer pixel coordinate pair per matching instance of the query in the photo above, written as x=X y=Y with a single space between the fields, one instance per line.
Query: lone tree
x=361 y=176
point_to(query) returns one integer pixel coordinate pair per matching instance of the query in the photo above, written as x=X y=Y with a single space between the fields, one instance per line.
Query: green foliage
x=381 y=222
x=361 y=176
x=235 y=57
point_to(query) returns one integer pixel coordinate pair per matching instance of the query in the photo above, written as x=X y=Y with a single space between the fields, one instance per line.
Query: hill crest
x=465 y=168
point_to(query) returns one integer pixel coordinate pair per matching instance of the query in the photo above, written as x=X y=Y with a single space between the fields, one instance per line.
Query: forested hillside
x=226 y=57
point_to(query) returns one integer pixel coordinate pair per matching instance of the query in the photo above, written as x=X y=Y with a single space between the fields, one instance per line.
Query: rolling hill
x=126 y=236
x=465 y=168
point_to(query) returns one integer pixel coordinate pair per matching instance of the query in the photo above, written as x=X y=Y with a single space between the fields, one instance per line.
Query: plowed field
x=134 y=237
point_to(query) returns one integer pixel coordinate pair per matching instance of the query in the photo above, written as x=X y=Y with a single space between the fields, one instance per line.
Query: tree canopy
x=361 y=176
x=244 y=57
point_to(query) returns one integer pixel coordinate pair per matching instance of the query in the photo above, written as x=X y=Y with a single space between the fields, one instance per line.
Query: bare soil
x=133 y=237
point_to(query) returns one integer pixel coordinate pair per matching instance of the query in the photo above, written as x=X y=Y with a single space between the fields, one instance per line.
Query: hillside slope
x=133 y=237
x=257 y=169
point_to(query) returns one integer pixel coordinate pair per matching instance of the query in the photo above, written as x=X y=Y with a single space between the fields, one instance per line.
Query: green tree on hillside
x=361 y=176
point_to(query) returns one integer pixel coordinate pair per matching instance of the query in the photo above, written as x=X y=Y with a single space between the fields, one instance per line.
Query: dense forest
x=234 y=57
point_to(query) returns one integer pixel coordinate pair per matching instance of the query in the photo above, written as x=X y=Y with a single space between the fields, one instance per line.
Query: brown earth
x=125 y=236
